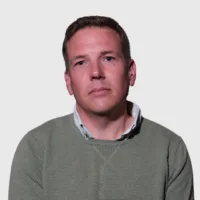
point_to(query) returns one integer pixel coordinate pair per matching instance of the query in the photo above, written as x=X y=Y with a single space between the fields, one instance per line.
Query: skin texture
x=99 y=80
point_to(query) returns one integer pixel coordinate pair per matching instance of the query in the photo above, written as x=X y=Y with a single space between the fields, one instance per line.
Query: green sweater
x=55 y=162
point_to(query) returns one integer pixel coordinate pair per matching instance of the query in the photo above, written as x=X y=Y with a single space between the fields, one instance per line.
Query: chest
x=106 y=174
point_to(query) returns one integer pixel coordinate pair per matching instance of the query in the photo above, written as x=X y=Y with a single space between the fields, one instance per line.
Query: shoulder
x=162 y=141
x=49 y=129
x=159 y=133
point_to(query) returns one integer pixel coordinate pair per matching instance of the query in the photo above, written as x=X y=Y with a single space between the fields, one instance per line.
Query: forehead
x=94 y=39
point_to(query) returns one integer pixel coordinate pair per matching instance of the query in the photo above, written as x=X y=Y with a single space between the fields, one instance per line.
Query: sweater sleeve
x=26 y=171
x=180 y=179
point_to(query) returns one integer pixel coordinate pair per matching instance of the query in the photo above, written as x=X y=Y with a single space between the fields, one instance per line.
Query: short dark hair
x=96 y=21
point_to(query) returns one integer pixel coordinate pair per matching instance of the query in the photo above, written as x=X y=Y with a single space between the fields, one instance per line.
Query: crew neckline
x=97 y=141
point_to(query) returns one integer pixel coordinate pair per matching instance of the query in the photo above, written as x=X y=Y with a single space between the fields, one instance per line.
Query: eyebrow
x=107 y=52
x=116 y=53
x=79 y=57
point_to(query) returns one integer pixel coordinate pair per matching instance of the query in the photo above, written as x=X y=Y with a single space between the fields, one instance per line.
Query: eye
x=109 y=58
x=81 y=62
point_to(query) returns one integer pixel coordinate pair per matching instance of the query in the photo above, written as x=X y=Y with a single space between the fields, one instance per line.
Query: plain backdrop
x=165 y=45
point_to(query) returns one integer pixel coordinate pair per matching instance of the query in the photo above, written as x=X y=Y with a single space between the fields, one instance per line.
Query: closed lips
x=98 y=89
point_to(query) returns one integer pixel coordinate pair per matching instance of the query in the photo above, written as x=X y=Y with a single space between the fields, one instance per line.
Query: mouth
x=99 y=90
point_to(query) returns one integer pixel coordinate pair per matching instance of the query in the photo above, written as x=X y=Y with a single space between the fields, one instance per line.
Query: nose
x=97 y=71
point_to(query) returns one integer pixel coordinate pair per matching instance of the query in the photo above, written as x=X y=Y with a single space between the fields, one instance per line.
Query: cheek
x=117 y=78
x=79 y=84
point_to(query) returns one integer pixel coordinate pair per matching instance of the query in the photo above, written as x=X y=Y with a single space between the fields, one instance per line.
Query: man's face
x=97 y=75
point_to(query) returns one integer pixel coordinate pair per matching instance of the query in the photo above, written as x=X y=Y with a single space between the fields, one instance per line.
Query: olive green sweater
x=55 y=162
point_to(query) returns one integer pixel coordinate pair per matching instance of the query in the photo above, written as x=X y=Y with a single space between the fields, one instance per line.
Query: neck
x=109 y=126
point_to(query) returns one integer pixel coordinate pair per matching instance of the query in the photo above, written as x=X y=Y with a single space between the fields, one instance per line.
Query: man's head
x=96 y=21
x=99 y=68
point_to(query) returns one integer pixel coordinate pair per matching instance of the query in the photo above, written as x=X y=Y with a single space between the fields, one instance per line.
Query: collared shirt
x=132 y=108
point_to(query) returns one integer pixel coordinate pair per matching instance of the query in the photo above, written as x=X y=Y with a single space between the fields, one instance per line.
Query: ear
x=68 y=82
x=132 y=72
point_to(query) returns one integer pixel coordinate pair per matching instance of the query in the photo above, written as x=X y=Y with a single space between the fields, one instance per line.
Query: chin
x=101 y=107
x=102 y=110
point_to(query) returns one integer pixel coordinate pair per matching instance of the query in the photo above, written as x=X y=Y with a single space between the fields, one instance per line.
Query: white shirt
x=132 y=109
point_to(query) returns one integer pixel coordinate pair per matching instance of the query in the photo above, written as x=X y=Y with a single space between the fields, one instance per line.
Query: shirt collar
x=132 y=108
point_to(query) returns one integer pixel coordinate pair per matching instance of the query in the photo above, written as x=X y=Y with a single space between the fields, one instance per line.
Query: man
x=105 y=150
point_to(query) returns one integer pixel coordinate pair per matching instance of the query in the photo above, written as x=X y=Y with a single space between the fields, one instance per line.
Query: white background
x=165 y=44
